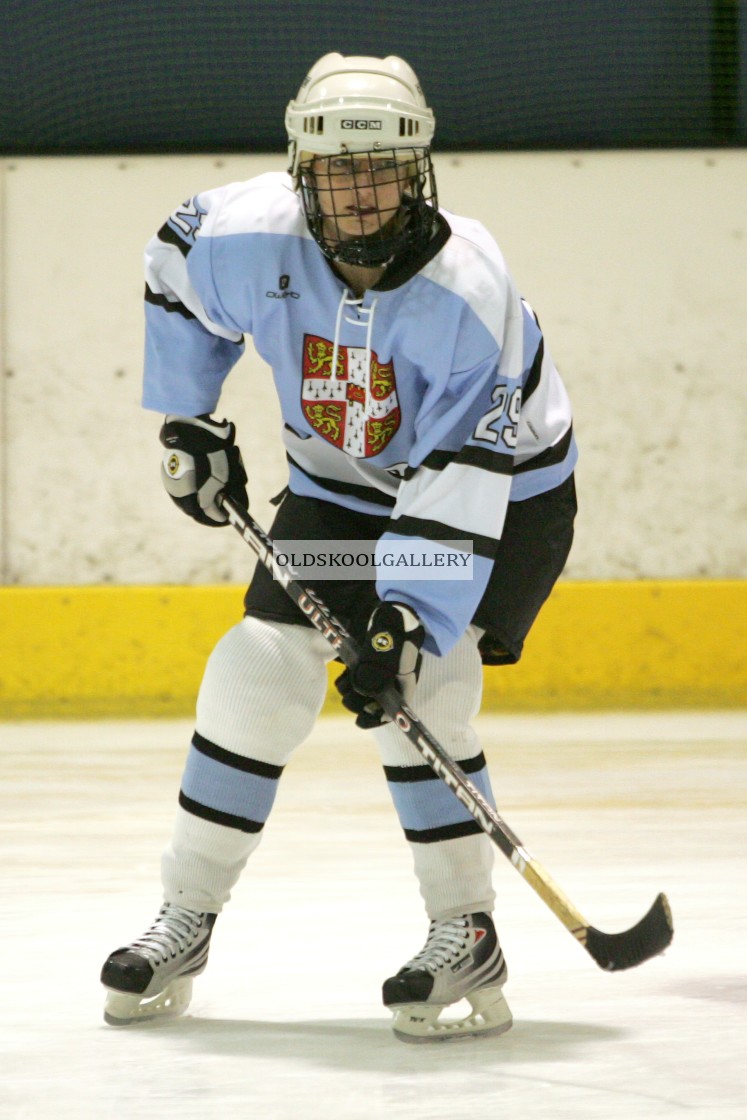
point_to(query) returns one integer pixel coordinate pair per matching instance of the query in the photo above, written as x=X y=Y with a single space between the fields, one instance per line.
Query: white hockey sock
x=453 y=858
x=263 y=688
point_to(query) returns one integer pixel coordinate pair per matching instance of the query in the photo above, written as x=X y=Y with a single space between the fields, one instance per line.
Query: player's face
x=358 y=194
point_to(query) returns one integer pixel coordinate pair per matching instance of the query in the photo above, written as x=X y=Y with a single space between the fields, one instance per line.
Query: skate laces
x=172 y=933
x=446 y=941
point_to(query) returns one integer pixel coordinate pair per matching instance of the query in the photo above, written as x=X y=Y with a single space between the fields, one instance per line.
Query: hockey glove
x=202 y=461
x=390 y=656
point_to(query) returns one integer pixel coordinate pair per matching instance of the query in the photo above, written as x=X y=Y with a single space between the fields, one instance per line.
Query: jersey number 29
x=489 y=428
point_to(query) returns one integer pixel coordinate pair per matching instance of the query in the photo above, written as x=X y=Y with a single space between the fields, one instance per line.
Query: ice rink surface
x=287 y=1023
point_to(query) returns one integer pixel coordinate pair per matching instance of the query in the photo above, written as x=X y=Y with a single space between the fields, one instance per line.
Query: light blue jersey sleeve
x=455 y=503
x=190 y=344
x=457 y=495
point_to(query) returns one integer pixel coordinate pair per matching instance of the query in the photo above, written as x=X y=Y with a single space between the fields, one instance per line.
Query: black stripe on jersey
x=168 y=305
x=535 y=372
x=426 y=773
x=436 y=531
x=293 y=432
x=470 y=456
x=235 y=761
x=446 y=832
x=229 y=820
x=365 y=493
x=486 y=460
x=169 y=235
x=549 y=457
x=438 y=460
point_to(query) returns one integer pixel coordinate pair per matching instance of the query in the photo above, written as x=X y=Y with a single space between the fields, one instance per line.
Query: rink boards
x=140 y=650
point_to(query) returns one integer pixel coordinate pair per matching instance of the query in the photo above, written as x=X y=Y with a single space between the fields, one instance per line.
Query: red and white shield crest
x=339 y=408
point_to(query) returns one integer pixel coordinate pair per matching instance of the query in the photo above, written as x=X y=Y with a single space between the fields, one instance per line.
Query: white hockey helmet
x=358 y=119
x=357 y=104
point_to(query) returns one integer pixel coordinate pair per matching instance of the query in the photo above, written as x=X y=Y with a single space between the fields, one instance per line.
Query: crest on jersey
x=338 y=408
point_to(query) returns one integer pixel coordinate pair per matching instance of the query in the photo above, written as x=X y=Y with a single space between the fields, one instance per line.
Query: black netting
x=127 y=76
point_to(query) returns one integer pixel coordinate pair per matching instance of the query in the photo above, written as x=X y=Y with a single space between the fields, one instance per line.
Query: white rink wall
x=635 y=262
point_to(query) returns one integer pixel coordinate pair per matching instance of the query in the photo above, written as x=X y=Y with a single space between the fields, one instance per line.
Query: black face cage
x=367 y=208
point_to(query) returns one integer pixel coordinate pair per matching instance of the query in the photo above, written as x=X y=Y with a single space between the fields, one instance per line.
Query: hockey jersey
x=432 y=399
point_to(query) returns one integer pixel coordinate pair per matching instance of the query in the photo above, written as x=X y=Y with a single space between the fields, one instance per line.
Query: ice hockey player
x=421 y=406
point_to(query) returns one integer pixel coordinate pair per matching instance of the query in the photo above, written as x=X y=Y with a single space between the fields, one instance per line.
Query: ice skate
x=461 y=959
x=152 y=977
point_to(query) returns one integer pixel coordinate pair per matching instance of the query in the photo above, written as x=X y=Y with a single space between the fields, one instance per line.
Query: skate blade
x=419 y=1022
x=122 y=1008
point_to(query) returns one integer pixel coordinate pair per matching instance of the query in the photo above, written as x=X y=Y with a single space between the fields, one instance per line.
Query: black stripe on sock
x=242 y=824
x=446 y=832
x=235 y=761
x=426 y=773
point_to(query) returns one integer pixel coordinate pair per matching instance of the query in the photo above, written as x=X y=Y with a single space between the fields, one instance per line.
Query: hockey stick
x=611 y=951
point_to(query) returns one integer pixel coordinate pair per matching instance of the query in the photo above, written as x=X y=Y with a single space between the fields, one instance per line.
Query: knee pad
x=263 y=688
x=447 y=698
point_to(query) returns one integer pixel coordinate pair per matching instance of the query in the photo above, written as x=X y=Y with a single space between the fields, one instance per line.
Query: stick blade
x=616 y=951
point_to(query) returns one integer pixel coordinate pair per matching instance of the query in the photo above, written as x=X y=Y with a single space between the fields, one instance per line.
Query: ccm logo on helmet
x=370 y=125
